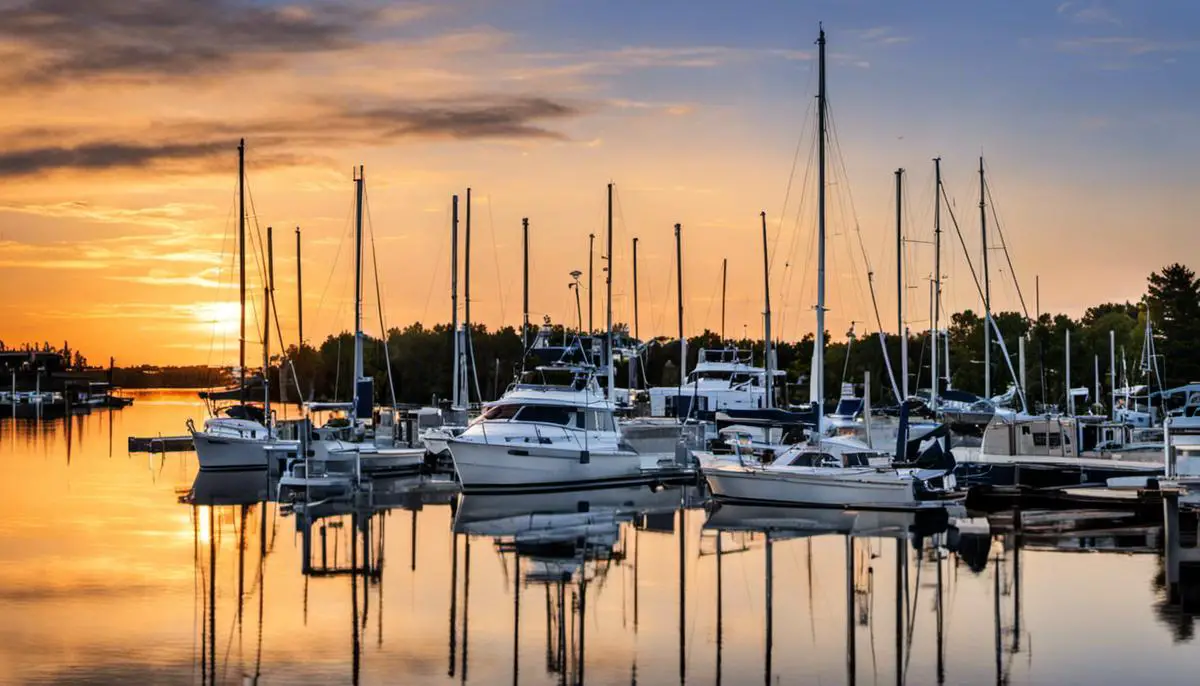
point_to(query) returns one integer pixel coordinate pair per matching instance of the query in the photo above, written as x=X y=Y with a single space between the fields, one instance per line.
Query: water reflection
x=565 y=543
x=137 y=569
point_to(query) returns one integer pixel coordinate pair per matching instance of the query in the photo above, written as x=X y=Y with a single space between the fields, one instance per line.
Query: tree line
x=421 y=364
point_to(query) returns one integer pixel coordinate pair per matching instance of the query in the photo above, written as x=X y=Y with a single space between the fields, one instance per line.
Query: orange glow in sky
x=118 y=176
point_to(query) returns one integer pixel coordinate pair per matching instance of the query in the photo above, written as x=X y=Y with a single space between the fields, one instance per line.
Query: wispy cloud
x=1090 y=13
x=366 y=119
x=208 y=278
x=882 y=36
x=168 y=215
x=1125 y=45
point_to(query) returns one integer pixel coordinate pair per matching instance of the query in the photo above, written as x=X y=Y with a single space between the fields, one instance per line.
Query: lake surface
x=131 y=569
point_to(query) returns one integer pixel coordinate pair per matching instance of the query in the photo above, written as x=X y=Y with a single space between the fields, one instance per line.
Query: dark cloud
x=285 y=142
x=512 y=117
x=101 y=155
x=143 y=39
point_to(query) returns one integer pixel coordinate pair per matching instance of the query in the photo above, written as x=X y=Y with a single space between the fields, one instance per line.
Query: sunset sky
x=121 y=121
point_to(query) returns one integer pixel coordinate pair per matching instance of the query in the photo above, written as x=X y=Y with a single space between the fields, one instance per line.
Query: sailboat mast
x=1112 y=368
x=467 y=353
x=608 y=297
x=591 y=279
x=987 y=291
x=937 y=280
x=358 y=283
x=242 y=268
x=467 y=268
x=724 y=281
x=679 y=296
x=524 y=284
x=636 y=332
x=768 y=363
x=299 y=295
x=267 y=295
x=455 y=400
x=818 y=371
x=901 y=332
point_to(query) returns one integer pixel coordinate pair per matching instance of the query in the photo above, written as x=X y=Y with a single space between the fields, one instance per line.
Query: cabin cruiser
x=722 y=379
x=842 y=472
x=552 y=428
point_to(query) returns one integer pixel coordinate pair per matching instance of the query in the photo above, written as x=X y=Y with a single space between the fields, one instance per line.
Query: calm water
x=111 y=572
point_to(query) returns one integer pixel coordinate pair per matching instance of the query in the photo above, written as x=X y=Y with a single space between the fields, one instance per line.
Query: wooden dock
x=160 y=444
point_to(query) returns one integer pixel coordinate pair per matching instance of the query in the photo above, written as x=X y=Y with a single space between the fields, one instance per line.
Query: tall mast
x=818 y=371
x=299 y=294
x=467 y=268
x=768 y=363
x=937 y=279
x=455 y=400
x=724 y=280
x=467 y=353
x=1112 y=367
x=987 y=292
x=242 y=268
x=358 y=283
x=268 y=294
x=608 y=287
x=901 y=331
x=524 y=284
x=679 y=296
x=636 y=333
x=1070 y=396
x=591 y=259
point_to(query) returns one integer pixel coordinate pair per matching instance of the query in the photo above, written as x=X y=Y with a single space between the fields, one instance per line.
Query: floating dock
x=160 y=444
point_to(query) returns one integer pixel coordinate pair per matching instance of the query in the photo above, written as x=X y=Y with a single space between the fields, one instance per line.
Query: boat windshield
x=718 y=374
x=562 y=415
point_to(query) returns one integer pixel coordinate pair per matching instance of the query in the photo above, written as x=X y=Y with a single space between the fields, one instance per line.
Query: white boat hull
x=484 y=466
x=229 y=452
x=385 y=460
x=833 y=487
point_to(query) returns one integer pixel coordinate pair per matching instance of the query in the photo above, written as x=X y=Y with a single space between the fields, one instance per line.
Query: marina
x=551 y=343
x=417 y=582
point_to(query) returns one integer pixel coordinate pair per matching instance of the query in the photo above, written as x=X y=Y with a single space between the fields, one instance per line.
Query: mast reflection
x=568 y=543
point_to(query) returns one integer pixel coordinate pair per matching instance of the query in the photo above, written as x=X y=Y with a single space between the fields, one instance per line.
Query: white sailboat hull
x=833 y=487
x=487 y=466
x=229 y=452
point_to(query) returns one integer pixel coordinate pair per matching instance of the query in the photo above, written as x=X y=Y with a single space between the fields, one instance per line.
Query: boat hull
x=228 y=452
x=496 y=466
x=859 y=489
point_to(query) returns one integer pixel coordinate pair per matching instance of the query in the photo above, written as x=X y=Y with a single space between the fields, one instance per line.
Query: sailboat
x=835 y=472
x=343 y=450
x=237 y=438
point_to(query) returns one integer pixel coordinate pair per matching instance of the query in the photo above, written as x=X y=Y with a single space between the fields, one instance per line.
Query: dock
x=160 y=444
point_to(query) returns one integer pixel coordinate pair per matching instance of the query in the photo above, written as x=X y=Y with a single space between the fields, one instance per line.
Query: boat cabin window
x=718 y=374
x=547 y=414
x=814 y=460
x=857 y=459
x=598 y=420
x=1039 y=439
x=499 y=412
